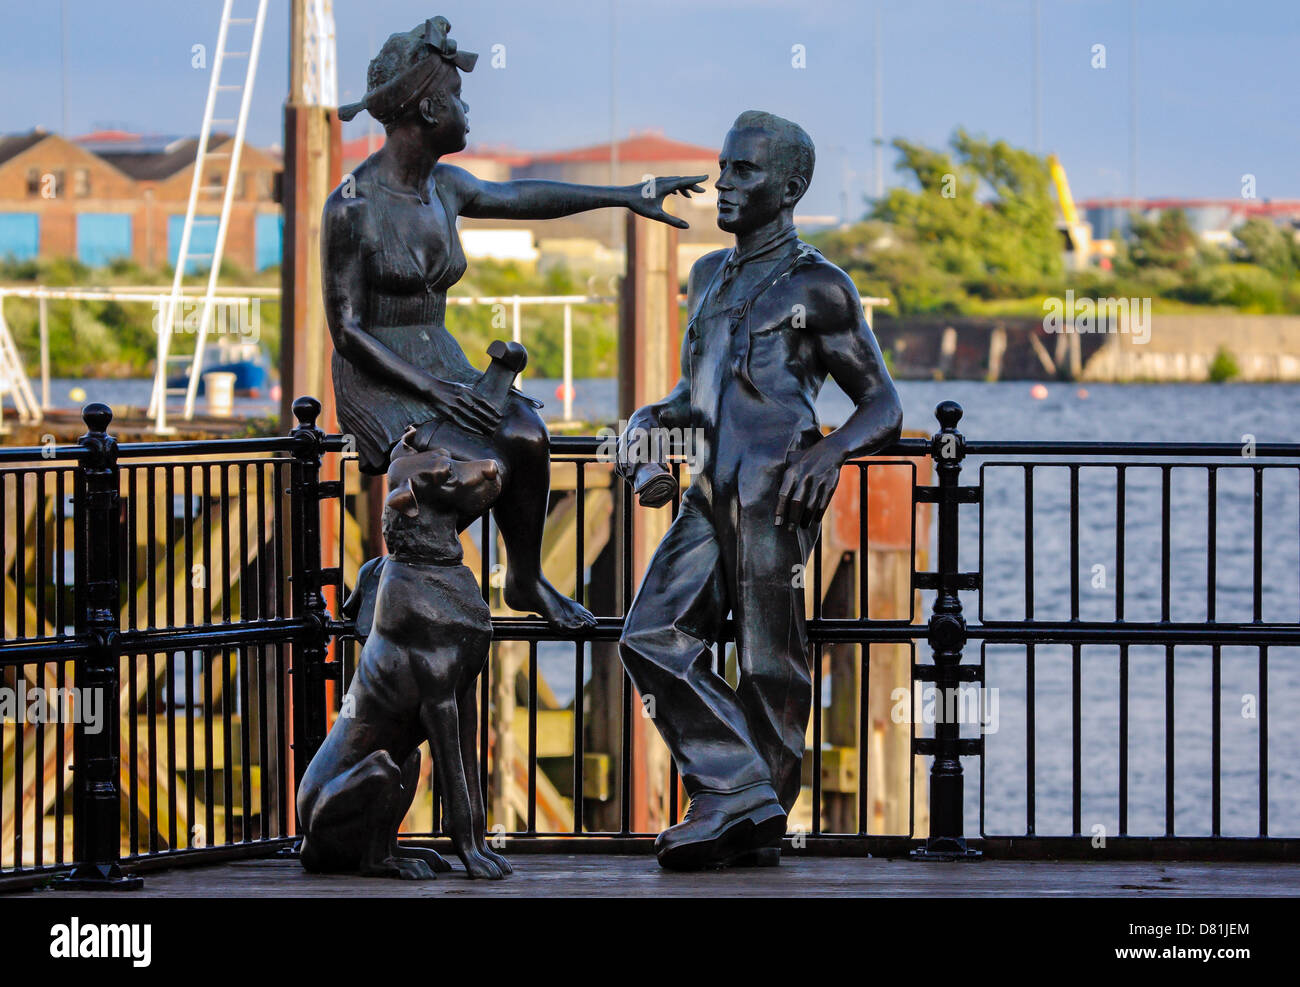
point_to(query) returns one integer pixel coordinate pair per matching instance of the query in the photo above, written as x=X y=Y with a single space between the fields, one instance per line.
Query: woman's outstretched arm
x=536 y=199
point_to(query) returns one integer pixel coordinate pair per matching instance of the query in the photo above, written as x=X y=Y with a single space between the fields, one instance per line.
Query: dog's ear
x=403 y=500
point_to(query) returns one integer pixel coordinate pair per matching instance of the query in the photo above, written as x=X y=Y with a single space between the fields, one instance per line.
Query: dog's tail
x=359 y=607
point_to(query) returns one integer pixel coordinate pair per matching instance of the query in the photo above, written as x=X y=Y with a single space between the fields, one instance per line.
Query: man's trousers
x=719 y=556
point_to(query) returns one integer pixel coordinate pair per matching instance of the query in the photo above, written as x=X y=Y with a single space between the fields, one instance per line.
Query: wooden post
x=649 y=348
x=312 y=168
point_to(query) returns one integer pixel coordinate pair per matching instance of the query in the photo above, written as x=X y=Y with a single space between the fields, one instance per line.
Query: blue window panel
x=20 y=235
x=103 y=237
x=203 y=241
x=269 y=239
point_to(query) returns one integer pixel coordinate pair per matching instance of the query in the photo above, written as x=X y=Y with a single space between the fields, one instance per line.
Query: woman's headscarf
x=435 y=53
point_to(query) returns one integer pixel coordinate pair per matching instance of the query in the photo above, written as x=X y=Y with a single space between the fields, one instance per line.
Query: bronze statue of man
x=769 y=320
x=390 y=252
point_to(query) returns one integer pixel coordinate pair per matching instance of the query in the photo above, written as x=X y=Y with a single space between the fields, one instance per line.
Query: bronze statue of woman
x=390 y=251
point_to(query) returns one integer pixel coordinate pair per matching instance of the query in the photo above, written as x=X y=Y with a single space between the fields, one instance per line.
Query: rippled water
x=1135 y=413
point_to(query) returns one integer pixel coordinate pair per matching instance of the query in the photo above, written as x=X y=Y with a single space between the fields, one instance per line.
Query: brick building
x=111 y=195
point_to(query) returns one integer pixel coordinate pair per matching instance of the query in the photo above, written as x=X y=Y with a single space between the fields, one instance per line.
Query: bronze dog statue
x=427 y=633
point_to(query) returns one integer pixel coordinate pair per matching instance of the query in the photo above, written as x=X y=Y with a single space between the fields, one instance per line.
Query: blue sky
x=1218 y=81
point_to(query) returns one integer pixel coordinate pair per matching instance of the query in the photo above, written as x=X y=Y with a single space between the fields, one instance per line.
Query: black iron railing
x=186 y=594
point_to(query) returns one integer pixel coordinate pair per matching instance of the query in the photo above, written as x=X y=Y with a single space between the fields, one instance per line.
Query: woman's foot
x=540 y=597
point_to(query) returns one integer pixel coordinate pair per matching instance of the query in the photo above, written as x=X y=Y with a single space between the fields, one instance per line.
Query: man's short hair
x=796 y=147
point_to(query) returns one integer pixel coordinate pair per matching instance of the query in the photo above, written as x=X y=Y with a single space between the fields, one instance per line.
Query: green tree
x=979 y=222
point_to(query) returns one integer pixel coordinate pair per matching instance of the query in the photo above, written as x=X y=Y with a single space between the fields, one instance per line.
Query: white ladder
x=167 y=319
x=13 y=377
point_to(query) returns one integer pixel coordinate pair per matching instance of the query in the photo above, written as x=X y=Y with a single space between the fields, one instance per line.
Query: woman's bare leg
x=521 y=448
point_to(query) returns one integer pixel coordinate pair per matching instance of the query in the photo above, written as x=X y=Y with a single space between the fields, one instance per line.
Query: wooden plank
x=799 y=876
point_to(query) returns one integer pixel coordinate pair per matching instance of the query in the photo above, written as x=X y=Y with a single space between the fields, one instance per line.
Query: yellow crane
x=1077 y=233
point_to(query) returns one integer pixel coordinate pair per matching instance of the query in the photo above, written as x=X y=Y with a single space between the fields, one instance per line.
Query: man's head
x=766 y=166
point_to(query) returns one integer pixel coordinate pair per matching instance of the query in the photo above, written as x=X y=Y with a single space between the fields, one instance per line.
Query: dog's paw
x=431 y=857
x=401 y=868
x=503 y=865
x=477 y=865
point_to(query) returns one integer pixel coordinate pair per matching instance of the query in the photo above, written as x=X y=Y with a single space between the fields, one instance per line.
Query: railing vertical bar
x=227 y=746
x=4 y=551
x=20 y=556
x=246 y=741
x=1074 y=542
x=169 y=542
x=1263 y=740
x=864 y=736
x=41 y=566
x=817 y=733
x=38 y=771
x=1121 y=477
x=151 y=541
x=187 y=486
x=580 y=532
x=1165 y=575
x=532 y=737
x=60 y=569
x=1076 y=667
x=1258 y=559
x=263 y=743
x=247 y=578
x=206 y=478
x=151 y=697
x=578 y=731
x=171 y=748
x=484 y=725
x=1216 y=755
x=131 y=548
x=265 y=581
x=169 y=659
x=60 y=782
x=190 y=795
x=1169 y=740
x=281 y=732
x=625 y=756
x=209 y=749
x=1165 y=580
x=1216 y=664
x=1031 y=701
x=1076 y=736
x=223 y=484
x=864 y=560
x=133 y=739
x=19 y=753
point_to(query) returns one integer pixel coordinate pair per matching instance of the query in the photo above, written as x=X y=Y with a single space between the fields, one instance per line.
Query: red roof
x=645 y=147
x=360 y=147
x=107 y=136
x=1236 y=205
x=639 y=147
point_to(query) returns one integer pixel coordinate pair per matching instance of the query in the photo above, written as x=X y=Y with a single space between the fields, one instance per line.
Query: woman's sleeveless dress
x=405 y=310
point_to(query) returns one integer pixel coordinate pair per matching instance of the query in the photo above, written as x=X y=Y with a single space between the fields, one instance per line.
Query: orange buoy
x=1038 y=392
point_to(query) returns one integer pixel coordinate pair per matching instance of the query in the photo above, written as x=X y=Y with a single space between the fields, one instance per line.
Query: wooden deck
x=591 y=875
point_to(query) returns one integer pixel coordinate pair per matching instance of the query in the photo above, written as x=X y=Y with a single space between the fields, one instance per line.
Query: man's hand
x=809 y=481
x=648 y=199
x=654 y=485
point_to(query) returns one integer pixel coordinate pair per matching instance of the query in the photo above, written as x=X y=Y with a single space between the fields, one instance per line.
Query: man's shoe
x=721 y=829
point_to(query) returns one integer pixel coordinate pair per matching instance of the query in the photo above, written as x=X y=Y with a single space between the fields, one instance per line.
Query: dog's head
x=432 y=478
